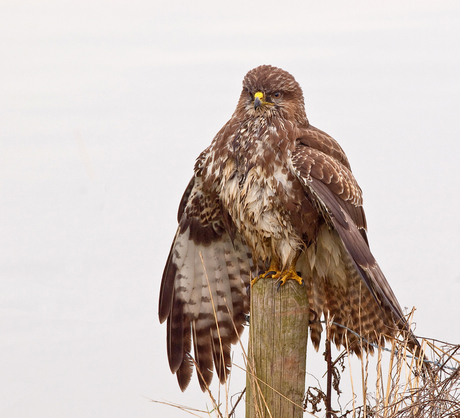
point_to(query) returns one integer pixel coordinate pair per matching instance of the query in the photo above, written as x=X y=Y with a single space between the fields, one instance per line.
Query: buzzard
x=272 y=196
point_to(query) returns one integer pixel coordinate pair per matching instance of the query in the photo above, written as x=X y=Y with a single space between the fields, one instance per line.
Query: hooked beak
x=258 y=99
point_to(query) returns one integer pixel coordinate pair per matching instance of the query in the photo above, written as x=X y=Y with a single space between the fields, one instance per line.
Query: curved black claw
x=269 y=273
x=315 y=317
x=303 y=281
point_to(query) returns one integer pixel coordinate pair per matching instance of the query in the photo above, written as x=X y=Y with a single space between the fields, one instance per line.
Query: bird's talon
x=290 y=275
x=281 y=276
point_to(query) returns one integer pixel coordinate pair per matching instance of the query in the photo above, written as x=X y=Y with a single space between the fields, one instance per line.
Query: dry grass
x=403 y=388
x=412 y=392
x=390 y=384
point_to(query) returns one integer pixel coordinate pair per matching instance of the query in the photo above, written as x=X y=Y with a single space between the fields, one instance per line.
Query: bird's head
x=271 y=91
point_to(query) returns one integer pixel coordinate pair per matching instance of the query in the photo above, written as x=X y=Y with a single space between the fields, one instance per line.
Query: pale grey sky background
x=104 y=107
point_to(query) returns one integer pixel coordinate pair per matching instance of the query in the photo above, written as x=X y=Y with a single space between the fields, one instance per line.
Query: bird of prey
x=272 y=196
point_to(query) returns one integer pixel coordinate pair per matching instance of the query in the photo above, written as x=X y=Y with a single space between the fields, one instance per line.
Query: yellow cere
x=259 y=95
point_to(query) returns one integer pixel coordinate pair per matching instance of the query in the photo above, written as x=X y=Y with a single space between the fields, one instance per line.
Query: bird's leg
x=283 y=276
x=289 y=274
x=273 y=270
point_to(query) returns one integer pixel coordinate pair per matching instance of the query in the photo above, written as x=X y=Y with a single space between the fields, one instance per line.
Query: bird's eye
x=277 y=95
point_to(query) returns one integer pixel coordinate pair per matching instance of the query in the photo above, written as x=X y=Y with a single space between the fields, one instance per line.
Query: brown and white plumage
x=270 y=190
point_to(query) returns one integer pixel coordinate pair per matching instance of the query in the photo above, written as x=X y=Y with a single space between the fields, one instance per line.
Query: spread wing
x=203 y=289
x=341 y=273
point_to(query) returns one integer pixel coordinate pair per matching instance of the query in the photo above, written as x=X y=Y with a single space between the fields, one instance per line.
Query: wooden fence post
x=277 y=351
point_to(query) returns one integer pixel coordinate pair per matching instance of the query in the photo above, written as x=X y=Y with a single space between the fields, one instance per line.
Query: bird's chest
x=251 y=174
x=261 y=194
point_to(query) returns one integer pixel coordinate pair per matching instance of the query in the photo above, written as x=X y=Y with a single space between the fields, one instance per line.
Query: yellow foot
x=281 y=276
x=261 y=276
x=265 y=275
x=290 y=274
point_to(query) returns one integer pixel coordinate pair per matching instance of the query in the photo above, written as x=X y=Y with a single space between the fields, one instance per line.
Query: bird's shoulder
x=317 y=139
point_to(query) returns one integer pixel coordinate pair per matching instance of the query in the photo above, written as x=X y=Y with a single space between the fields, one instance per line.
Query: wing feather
x=203 y=291
x=355 y=287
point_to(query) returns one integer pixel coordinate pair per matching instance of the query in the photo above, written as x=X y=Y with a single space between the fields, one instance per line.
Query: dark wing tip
x=184 y=373
x=167 y=290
